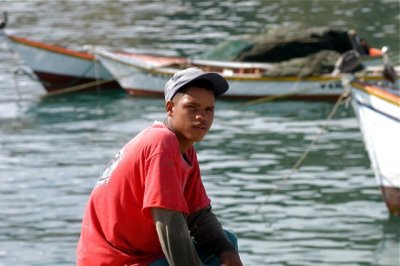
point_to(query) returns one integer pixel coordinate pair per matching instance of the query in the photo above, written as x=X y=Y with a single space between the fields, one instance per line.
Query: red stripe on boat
x=52 y=48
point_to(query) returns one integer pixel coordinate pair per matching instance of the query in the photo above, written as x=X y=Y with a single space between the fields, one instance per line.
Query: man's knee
x=232 y=238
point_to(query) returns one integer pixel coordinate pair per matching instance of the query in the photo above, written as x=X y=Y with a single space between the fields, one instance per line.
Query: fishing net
x=298 y=51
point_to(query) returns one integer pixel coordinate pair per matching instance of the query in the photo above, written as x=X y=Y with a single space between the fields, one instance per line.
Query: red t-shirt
x=149 y=171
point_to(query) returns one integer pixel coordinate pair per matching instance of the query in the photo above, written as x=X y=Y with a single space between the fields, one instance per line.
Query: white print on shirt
x=105 y=177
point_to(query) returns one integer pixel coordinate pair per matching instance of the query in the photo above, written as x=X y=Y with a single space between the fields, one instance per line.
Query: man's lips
x=200 y=126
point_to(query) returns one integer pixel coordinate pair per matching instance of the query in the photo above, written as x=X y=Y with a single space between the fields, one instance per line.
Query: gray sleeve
x=208 y=233
x=174 y=236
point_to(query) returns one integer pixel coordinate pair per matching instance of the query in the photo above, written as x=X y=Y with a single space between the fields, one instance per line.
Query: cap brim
x=219 y=84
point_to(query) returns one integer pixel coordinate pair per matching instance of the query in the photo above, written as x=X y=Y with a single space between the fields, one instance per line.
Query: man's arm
x=208 y=233
x=174 y=237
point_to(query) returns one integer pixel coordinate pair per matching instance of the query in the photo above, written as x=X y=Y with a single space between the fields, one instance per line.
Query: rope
x=307 y=151
x=69 y=83
x=89 y=84
x=78 y=87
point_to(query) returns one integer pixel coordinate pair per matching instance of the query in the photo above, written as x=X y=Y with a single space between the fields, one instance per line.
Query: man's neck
x=184 y=144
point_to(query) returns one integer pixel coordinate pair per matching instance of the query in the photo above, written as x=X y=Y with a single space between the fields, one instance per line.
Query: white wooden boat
x=60 y=69
x=146 y=74
x=378 y=111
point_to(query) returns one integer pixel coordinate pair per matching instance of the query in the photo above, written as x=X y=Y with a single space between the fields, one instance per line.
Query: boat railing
x=225 y=64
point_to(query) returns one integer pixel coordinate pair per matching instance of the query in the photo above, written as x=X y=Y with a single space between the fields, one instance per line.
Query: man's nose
x=201 y=115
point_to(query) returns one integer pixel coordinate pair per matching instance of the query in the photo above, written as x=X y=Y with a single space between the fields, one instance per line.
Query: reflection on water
x=191 y=26
x=329 y=212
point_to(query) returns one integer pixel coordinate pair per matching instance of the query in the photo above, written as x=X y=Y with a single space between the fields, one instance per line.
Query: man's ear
x=169 y=106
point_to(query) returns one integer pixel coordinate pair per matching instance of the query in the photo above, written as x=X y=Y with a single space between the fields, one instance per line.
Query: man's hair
x=200 y=83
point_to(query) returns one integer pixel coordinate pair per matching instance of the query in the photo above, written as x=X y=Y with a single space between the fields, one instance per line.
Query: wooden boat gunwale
x=377 y=91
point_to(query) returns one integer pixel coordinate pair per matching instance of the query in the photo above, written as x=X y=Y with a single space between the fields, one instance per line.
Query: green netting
x=226 y=51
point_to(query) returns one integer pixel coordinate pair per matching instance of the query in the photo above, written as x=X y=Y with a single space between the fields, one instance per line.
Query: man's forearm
x=174 y=237
x=207 y=231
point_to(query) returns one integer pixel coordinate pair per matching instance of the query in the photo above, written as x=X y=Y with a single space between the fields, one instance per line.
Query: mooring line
x=18 y=92
x=80 y=87
x=307 y=151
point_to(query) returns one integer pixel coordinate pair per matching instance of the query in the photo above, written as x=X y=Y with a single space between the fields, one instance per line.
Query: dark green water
x=52 y=149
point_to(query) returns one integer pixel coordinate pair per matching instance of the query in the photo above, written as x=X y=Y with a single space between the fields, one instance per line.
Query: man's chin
x=198 y=138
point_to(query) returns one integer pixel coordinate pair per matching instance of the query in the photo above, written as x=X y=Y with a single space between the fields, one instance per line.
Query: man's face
x=192 y=114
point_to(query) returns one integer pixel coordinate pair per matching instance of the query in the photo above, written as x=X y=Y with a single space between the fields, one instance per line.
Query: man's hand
x=229 y=258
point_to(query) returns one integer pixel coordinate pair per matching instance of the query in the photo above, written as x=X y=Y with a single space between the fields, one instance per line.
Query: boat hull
x=391 y=196
x=60 y=69
x=378 y=113
x=57 y=83
x=147 y=75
